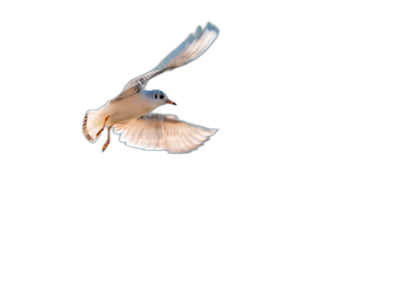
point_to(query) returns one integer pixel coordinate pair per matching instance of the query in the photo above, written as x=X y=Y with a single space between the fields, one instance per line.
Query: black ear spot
x=161 y=96
x=156 y=96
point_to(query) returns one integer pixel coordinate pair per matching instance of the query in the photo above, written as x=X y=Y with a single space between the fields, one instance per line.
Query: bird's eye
x=161 y=96
x=156 y=95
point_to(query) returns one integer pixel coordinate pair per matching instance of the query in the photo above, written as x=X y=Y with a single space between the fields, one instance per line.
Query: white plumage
x=193 y=47
x=162 y=132
x=129 y=112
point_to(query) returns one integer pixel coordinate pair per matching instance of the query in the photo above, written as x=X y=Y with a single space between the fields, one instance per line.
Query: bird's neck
x=148 y=95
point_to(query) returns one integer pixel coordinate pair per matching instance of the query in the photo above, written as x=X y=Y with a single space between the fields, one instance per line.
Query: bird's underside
x=158 y=132
x=129 y=113
x=162 y=132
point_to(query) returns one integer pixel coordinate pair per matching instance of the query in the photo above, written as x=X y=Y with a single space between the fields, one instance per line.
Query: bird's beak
x=170 y=102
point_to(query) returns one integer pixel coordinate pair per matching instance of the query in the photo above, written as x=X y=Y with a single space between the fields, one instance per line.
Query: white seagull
x=129 y=113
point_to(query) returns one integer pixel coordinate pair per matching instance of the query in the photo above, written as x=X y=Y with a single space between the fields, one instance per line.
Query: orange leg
x=108 y=139
x=102 y=128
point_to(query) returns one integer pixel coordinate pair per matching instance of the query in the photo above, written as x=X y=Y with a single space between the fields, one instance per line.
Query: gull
x=130 y=112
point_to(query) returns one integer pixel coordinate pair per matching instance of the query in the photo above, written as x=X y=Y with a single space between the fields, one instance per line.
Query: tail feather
x=92 y=124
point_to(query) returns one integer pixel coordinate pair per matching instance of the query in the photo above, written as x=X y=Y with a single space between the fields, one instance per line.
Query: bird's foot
x=102 y=128
x=105 y=145
x=98 y=133
x=108 y=140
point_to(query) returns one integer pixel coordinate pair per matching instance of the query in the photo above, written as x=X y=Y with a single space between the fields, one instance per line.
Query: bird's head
x=161 y=98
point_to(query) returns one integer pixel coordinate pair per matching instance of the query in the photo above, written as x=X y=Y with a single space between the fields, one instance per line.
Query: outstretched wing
x=162 y=132
x=193 y=47
x=135 y=85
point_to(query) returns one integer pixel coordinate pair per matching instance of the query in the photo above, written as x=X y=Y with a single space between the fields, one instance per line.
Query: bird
x=130 y=113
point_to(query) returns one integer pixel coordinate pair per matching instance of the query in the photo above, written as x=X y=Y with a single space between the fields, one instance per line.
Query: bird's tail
x=92 y=124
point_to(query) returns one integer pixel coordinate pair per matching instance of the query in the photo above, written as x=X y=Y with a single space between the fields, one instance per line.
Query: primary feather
x=162 y=132
x=129 y=111
x=193 y=47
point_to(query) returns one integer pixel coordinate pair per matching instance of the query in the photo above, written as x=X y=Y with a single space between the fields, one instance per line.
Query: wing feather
x=193 y=47
x=162 y=132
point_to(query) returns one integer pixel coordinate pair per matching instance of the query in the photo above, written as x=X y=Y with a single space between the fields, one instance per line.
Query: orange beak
x=170 y=102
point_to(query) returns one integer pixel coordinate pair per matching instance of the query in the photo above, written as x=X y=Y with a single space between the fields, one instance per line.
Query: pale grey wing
x=136 y=84
x=141 y=81
x=162 y=132
x=193 y=47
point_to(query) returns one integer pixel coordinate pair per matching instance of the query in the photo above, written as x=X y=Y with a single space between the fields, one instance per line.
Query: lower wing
x=162 y=132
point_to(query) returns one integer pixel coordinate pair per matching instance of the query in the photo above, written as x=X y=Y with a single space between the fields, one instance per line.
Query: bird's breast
x=128 y=108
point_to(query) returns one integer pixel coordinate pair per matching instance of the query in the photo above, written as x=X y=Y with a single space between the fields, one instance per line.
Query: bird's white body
x=129 y=112
x=128 y=108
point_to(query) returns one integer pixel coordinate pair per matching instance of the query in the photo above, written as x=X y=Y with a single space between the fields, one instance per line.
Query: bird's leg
x=108 y=139
x=102 y=128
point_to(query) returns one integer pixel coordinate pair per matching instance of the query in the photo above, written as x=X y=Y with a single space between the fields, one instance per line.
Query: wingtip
x=198 y=32
x=207 y=131
x=213 y=131
x=210 y=26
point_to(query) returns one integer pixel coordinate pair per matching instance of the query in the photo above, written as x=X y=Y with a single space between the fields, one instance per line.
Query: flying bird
x=130 y=112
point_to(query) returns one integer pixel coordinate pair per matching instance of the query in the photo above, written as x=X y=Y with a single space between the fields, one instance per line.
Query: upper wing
x=162 y=132
x=135 y=85
x=193 y=47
